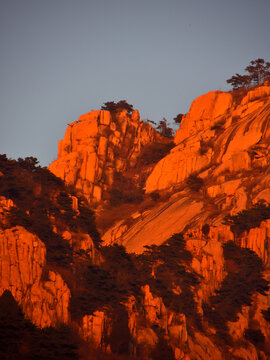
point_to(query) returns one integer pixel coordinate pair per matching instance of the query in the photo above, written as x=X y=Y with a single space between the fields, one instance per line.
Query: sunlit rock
x=98 y=145
x=44 y=301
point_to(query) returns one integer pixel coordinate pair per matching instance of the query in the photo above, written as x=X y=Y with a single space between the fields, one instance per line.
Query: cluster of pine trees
x=257 y=72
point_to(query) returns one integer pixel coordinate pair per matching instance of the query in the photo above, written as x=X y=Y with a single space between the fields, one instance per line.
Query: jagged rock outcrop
x=97 y=146
x=257 y=240
x=156 y=314
x=44 y=296
x=94 y=327
x=217 y=134
x=208 y=260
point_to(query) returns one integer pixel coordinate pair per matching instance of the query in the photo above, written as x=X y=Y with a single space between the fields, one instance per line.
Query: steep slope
x=157 y=225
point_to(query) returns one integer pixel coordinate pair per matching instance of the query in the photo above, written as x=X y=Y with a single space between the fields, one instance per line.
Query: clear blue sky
x=62 y=58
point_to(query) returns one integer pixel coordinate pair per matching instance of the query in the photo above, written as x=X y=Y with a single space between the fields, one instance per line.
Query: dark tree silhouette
x=148 y=121
x=238 y=81
x=178 y=118
x=164 y=129
x=120 y=105
x=21 y=340
x=162 y=350
x=258 y=71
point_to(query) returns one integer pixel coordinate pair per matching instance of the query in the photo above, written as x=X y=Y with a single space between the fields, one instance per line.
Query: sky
x=62 y=58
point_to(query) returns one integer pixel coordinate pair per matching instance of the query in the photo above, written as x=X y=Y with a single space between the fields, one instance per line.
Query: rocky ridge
x=99 y=145
x=218 y=135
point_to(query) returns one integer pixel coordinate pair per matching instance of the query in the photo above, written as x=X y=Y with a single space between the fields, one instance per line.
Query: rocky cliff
x=219 y=135
x=218 y=166
x=22 y=263
x=186 y=275
x=99 y=145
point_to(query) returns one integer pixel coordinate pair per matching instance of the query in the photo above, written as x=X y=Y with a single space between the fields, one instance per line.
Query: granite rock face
x=156 y=226
x=216 y=133
x=99 y=145
x=44 y=300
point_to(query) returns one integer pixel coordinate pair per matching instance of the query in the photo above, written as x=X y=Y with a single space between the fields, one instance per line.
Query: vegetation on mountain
x=165 y=268
x=107 y=286
x=20 y=339
x=266 y=314
x=205 y=229
x=164 y=129
x=257 y=72
x=218 y=126
x=118 y=197
x=113 y=106
x=162 y=350
x=128 y=188
x=244 y=278
x=152 y=153
x=39 y=196
x=122 y=274
x=124 y=190
x=194 y=182
x=42 y=203
x=248 y=218
x=120 y=344
x=205 y=145
x=167 y=271
x=178 y=118
x=163 y=126
x=255 y=336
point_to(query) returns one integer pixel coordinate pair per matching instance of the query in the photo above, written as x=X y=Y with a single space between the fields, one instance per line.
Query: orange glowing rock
x=203 y=113
x=98 y=145
x=215 y=132
x=22 y=257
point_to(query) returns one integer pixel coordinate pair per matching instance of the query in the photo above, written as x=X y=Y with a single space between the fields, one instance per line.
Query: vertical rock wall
x=22 y=260
x=97 y=146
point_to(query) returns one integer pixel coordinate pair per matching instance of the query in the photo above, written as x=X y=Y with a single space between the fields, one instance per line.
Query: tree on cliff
x=164 y=129
x=258 y=71
x=178 y=118
x=112 y=106
x=239 y=81
x=20 y=339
